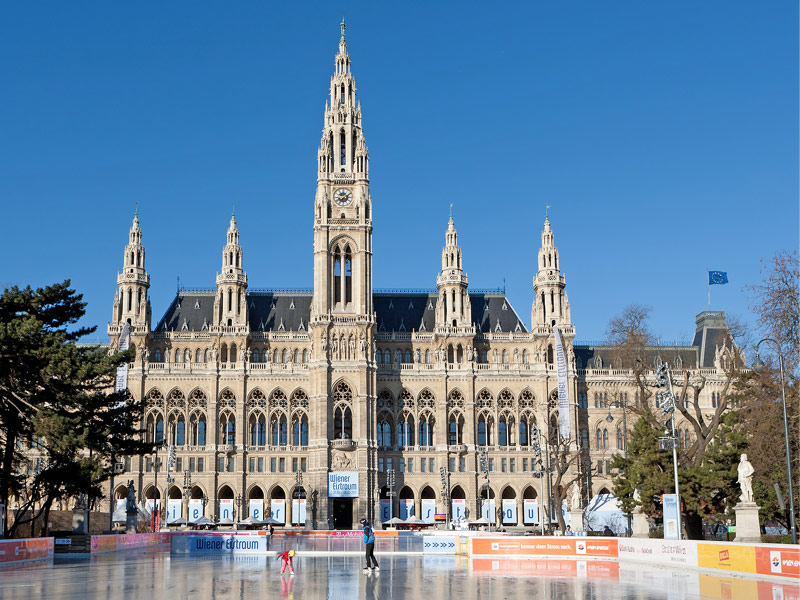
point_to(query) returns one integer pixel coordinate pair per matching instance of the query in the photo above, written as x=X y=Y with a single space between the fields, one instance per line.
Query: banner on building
x=459 y=510
x=257 y=509
x=386 y=509
x=226 y=509
x=530 y=511
x=488 y=510
x=406 y=508
x=278 y=508
x=509 y=511
x=343 y=484
x=122 y=370
x=195 y=510
x=174 y=510
x=299 y=511
x=563 y=390
x=428 y=508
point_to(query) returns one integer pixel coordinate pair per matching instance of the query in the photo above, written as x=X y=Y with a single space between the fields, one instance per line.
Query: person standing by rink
x=369 y=544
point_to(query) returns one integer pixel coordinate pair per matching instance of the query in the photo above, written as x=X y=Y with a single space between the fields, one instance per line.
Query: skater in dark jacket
x=369 y=543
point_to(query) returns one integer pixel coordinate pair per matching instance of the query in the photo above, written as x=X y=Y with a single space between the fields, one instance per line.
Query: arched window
x=198 y=356
x=405 y=431
x=453 y=430
x=620 y=442
x=385 y=432
x=284 y=356
x=158 y=355
x=585 y=438
x=187 y=356
x=279 y=430
x=228 y=428
x=379 y=357
x=502 y=431
x=425 y=430
x=223 y=354
x=605 y=439
x=305 y=355
x=505 y=357
x=178 y=355
x=483 y=431
x=276 y=357
x=337 y=276
x=348 y=275
x=199 y=431
x=598 y=439
x=343 y=423
x=387 y=357
x=407 y=356
x=427 y=357
x=207 y=355
x=523 y=431
x=232 y=356
x=258 y=430
x=300 y=430
x=255 y=355
x=550 y=353
x=524 y=361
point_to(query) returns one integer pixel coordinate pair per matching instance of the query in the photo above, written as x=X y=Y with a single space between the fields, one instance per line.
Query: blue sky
x=664 y=136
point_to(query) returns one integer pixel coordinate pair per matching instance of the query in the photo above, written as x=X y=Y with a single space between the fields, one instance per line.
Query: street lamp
x=759 y=364
x=667 y=403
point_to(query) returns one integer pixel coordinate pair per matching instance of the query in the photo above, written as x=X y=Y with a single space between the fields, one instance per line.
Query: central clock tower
x=343 y=207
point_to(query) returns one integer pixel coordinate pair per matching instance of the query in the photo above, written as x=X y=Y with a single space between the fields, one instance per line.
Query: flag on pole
x=563 y=391
x=717 y=277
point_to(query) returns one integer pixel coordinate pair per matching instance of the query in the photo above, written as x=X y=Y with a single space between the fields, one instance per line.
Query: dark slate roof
x=584 y=356
x=289 y=311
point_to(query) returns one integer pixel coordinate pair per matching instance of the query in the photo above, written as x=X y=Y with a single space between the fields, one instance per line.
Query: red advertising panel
x=778 y=561
x=19 y=550
x=576 y=547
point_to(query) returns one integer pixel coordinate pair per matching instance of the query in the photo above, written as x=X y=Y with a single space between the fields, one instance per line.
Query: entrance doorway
x=342 y=513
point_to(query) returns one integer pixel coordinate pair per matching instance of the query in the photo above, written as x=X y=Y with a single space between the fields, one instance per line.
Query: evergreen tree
x=56 y=398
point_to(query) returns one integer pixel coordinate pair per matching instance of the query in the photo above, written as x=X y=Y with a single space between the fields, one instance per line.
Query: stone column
x=641 y=526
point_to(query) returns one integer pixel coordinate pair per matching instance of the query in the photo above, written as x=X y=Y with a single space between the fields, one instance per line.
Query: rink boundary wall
x=24 y=550
x=765 y=560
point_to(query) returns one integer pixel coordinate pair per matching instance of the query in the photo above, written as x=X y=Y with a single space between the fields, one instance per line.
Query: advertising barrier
x=662 y=552
x=14 y=551
x=438 y=544
x=220 y=545
x=530 y=546
x=532 y=567
x=111 y=543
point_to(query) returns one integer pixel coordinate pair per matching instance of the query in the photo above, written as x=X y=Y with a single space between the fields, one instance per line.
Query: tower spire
x=453 y=309
x=131 y=304
x=230 y=304
x=550 y=302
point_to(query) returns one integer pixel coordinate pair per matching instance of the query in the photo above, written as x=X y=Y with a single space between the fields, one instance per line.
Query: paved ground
x=152 y=574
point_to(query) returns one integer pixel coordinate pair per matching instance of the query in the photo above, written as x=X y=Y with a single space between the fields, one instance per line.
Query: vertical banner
x=563 y=390
x=509 y=511
x=174 y=510
x=122 y=370
x=406 y=508
x=278 y=507
x=150 y=504
x=299 y=511
x=386 y=510
x=459 y=510
x=226 y=509
x=428 y=508
x=530 y=512
x=488 y=510
x=195 y=510
x=257 y=509
x=671 y=505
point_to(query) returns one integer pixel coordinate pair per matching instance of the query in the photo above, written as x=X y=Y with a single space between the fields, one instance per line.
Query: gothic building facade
x=327 y=405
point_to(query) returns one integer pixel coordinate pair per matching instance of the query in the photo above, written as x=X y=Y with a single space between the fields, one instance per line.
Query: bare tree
x=776 y=303
x=629 y=335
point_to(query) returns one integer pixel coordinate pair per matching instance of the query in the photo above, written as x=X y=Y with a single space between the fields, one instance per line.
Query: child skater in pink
x=286 y=559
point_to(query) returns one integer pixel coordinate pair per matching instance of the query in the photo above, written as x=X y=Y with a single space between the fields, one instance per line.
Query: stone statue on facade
x=249 y=355
x=516 y=355
x=363 y=342
x=575 y=499
x=470 y=355
x=746 y=471
x=215 y=353
x=130 y=504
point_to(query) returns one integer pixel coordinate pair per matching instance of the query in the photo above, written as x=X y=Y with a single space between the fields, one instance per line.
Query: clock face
x=343 y=197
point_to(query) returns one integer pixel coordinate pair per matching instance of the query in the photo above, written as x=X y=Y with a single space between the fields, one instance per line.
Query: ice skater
x=369 y=545
x=286 y=560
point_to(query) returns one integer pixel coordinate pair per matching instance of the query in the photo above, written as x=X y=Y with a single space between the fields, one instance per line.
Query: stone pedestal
x=748 y=528
x=130 y=522
x=641 y=526
x=80 y=521
x=576 y=520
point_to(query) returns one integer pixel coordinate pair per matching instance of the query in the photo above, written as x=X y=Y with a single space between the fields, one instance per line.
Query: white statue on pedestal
x=575 y=501
x=745 y=479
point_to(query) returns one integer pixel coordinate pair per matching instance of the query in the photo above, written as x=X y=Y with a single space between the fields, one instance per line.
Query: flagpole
x=708 y=283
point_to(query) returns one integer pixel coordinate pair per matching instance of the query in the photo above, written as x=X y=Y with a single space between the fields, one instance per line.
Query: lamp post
x=667 y=400
x=238 y=515
x=187 y=487
x=537 y=468
x=759 y=364
x=609 y=419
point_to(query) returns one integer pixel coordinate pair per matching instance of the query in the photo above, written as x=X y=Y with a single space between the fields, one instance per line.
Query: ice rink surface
x=154 y=574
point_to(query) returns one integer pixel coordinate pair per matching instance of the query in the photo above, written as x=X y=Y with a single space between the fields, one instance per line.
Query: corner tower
x=230 y=304
x=453 y=309
x=131 y=304
x=550 y=302
x=343 y=207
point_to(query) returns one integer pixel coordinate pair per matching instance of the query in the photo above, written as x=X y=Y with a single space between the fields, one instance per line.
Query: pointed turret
x=453 y=309
x=230 y=305
x=131 y=304
x=550 y=303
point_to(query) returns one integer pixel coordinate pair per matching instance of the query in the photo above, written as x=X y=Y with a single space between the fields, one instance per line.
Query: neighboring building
x=253 y=387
